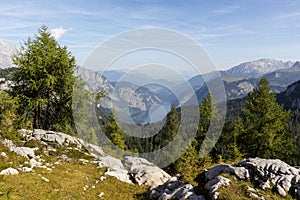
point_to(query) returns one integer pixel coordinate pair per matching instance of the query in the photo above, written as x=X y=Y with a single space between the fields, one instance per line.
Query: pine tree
x=44 y=81
x=234 y=151
x=169 y=130
x=209 y=127
x=265 y=125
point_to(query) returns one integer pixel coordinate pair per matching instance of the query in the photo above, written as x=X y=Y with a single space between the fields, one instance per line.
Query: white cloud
x=227 y=9
x=58 y=32
x=290 y=15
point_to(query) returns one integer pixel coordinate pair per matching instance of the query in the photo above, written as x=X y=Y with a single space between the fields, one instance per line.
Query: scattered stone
x=65 y=158
x=102 y=178
x=101 y=195
x=34 y=163
x=253 y=195
x=9 y=171
x=26 y=169
x=84 y=161
x=3 y=154
x=251 y=190
x=57 y=163
x=45 y=179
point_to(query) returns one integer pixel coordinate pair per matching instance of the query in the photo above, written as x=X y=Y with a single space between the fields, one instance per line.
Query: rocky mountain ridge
x=7 y=50
x=257 y=68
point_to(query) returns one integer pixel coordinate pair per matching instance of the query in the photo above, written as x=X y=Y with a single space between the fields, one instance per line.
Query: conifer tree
x=169 y=130
x=44 y=80
x=234 y=150
x=265 y=125
x=114 y=132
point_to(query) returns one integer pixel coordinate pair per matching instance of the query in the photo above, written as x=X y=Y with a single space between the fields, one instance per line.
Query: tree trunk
x=37 y=113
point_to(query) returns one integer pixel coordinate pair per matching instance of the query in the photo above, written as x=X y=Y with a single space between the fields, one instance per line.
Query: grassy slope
x=66 y=181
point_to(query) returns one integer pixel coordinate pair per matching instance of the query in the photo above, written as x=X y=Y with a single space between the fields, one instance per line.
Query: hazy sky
x=231 y=31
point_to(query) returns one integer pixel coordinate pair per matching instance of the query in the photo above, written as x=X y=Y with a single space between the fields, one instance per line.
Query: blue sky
x=231 y=31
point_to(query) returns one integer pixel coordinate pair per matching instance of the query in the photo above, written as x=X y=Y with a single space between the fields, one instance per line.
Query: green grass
x=67 y=181
x=12 y=160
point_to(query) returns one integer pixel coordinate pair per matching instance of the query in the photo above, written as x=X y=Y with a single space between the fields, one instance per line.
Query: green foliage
x=10 y=120
x=169 y=130
x=114 y=132
x=43 y=82
x=234 y=151
x=5 y=73
x=83 y=105
x=197 y=153
x=265 y=125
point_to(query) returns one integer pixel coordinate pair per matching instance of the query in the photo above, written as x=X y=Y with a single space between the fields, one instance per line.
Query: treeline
x=256 y=126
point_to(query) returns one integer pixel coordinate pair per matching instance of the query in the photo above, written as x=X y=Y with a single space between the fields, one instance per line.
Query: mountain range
x=141 y=95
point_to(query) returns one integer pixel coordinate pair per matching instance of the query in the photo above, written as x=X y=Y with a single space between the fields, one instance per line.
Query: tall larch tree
x=43 y=81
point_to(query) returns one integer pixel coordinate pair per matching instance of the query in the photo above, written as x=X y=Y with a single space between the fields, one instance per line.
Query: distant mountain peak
x=257 y=68
x=297 y=64
x=7 y=50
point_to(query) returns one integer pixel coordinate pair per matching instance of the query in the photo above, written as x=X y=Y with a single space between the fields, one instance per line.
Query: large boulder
x=239 y=172
x=95 y=150
x=115 y=168
x=145 y=173
x=173 y=189
x=9 y=171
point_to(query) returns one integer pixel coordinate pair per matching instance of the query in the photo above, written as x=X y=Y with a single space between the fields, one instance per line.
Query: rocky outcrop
x=173 y=189
x=23 y=151
x=145 y=173
x=115 y=168
x=284 y=177
x=216 y=183
x=51 y=136
x=239 y=172
x=263 y=172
